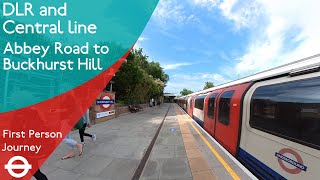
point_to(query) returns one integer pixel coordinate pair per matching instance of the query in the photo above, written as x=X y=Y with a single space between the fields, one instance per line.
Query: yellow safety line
x=222 y=161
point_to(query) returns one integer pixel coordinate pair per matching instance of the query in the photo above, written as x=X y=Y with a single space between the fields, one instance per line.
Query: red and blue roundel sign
x=292 y=166
x=105 y=102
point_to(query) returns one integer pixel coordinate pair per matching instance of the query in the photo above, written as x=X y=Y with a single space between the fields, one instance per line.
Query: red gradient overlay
x=58 y=114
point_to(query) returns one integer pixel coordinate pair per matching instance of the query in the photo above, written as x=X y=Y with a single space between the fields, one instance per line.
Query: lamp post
x=111 y=83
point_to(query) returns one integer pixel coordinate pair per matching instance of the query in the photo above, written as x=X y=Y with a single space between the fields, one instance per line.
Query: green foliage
x=208 y=85
x=185 y=92
x=139 y=80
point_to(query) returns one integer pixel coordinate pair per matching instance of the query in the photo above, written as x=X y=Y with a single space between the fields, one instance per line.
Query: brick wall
x=119 y=112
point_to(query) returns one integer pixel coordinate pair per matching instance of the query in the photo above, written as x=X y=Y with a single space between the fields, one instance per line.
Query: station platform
x=158 y=143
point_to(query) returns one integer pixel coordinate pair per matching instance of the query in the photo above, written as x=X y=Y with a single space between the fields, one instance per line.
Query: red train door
x=210 y=111
x=191 y=105
x=228 y=116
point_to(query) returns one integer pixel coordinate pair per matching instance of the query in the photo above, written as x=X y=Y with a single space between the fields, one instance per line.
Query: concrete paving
x=205 y=163
x=168 y=159
x=120 y=145
x=122 y=150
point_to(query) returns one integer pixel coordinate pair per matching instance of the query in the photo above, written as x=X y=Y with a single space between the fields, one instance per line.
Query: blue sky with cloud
x=222 y=40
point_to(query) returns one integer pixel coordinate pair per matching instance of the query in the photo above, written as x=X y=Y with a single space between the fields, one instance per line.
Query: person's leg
x=39 y=175
x=72 y=143
x=84 y=133
x=71 y=152
x=93 y=136
x=69 y=141
x=81 y=133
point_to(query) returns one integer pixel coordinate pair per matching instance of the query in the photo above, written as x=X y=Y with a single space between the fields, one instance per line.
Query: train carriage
x=191 y=105
x=269 y=121
x=280 y=133
x=198 y=114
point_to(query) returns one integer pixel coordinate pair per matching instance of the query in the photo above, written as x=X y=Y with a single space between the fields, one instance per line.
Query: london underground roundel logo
x=25 y=166
x=292 y=166
x=105 y=106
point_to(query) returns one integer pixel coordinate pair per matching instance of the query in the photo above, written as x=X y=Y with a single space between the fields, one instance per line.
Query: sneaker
x=83 y=143
x=94 y=137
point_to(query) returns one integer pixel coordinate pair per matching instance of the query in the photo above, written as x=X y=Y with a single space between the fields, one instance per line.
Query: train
x=269 y=121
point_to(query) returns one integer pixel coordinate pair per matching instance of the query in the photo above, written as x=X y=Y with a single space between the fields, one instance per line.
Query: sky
x=223 y=40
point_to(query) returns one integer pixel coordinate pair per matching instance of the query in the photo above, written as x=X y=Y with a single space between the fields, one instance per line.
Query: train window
x=199 y=102
x=290 y=110
x=224 y=107
x=211 y=105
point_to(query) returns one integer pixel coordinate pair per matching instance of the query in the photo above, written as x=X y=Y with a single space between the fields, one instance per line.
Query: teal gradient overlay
x=119 y=24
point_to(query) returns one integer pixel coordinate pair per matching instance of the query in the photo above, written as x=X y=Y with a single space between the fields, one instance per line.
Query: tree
x=152 y=68
x=185 y=92
x=156 y=71
x=138 y=79
x=208 y=85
